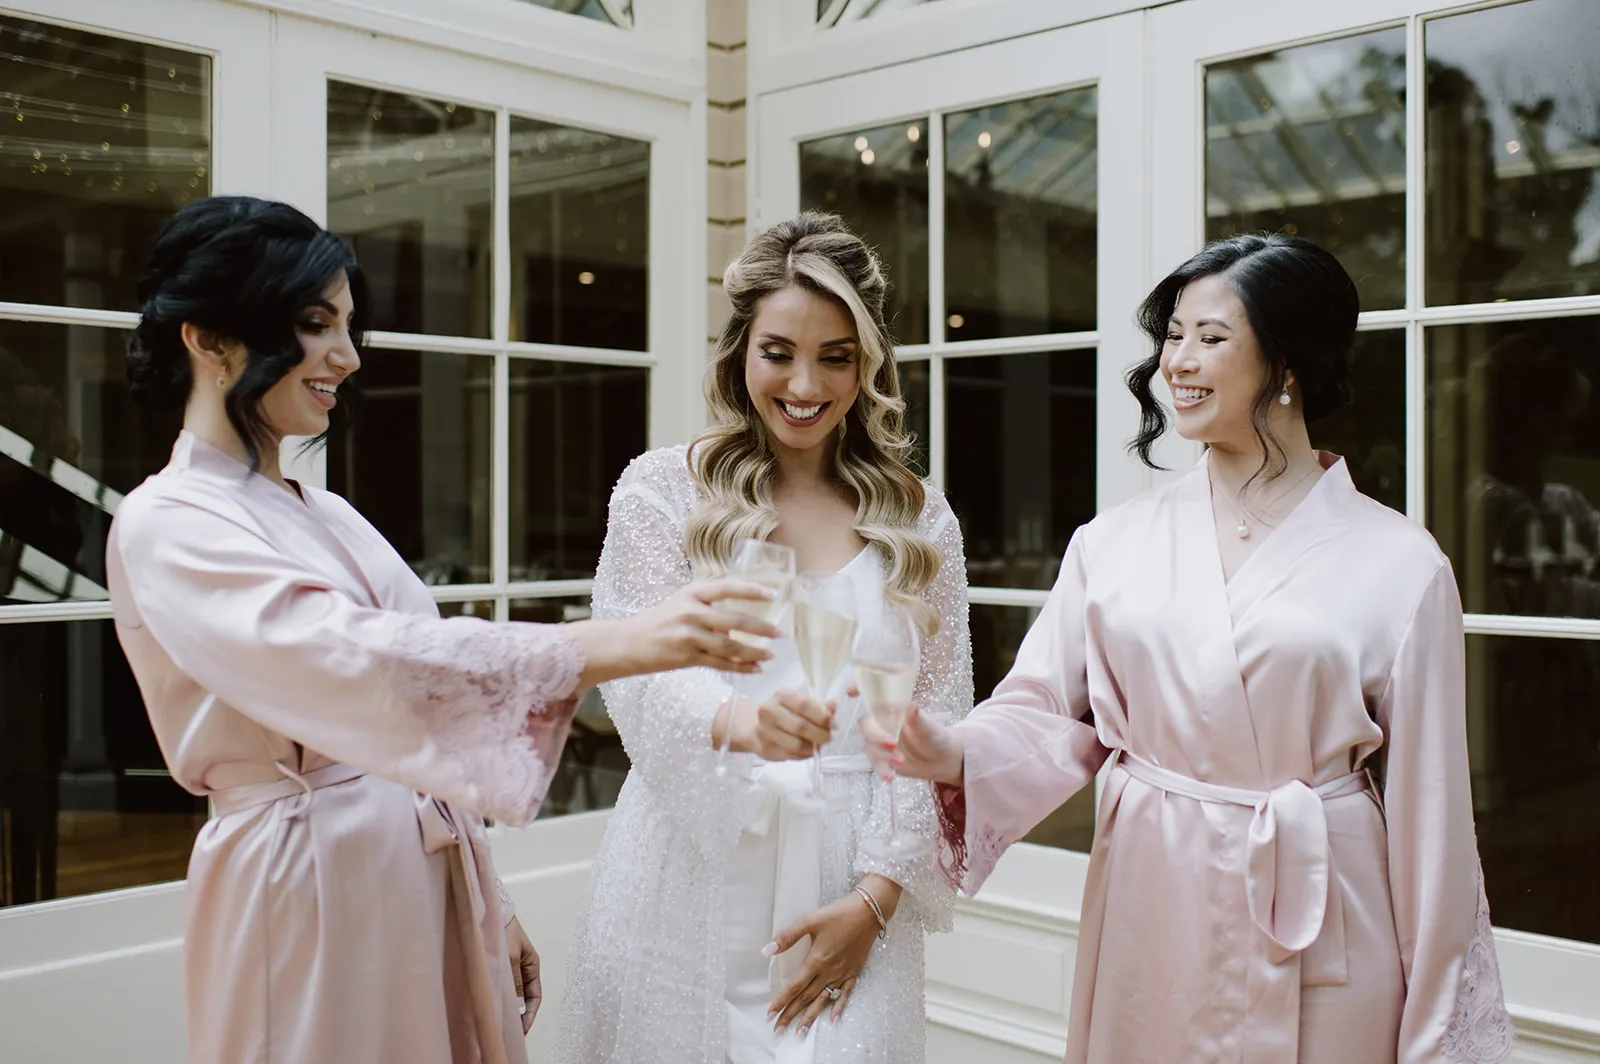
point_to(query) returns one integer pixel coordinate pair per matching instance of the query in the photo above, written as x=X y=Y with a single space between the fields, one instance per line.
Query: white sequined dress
x=649 y=965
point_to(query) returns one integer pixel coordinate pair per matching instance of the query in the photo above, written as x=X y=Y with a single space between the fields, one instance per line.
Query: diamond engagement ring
x=832 y=992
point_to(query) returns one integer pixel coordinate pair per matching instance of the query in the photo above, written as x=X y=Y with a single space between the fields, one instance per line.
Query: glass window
x=616 y=12
x=1311 y=141
x=914 y=389
x=1020 y=460
x=1535 y=739
x=416 y=463
x=832 y=13
x=580 y=237
x=1514 y=470
x=877 y=180
x=483 y=609
x=100 y=141
x=574 y=428
x=1513 y=193
x=410 y=184
x=1371 y=431
x=71 y=445
x=86 y=803
x=1021 y=187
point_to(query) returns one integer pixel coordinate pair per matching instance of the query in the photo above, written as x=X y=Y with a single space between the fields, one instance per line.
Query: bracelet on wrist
x=877 y=910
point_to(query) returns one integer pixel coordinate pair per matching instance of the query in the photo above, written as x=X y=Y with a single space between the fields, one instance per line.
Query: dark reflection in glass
x=86 y=804
x=593 y=764
x=483 y=609
x=1513 y=178
x=1534 y=737
x=914 y=389
x=71 y=445
x=877 y=180
x=574 y=428
x=410 y=185
x=101 y=140
x=580 y=237
x=616 y=12
x=1021 y=194
x=1371 y=432
x=1514 y=463
x=416 y=464
x=1020 y=461
x=1312 y=141
x=997 y=632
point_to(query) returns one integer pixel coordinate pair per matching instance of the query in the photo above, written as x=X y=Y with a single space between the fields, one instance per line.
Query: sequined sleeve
x=944 y=691
x=664 y=719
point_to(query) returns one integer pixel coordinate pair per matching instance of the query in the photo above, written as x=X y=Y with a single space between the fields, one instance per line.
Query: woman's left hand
x=524 y=971
x=842 y=935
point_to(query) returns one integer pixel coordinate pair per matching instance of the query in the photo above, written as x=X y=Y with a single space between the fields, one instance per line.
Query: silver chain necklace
x=1243 y=527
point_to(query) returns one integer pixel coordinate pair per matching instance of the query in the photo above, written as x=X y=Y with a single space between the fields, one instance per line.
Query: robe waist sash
x=437 y=824
x=1288 y=868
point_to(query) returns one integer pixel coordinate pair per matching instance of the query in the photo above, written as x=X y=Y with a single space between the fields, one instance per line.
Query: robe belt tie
x=1288 y=867
x=438 y=832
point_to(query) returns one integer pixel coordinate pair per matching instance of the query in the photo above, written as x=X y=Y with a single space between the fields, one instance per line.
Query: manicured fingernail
x=770 y=949
x=772 y=1015
x=898 y=759
x=888 y=744
x=782 y=1027
x=886 y=776
x=802 y=1031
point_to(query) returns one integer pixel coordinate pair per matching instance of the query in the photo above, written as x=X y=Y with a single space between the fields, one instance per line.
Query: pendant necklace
x=1243 y=527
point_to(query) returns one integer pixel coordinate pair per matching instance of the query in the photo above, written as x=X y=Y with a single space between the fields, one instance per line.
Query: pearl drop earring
x=222 y=380
x=1283 y=400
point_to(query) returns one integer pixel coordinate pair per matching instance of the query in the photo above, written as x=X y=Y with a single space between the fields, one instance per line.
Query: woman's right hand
x=786 y=727
x=927 y=750
x=689 y=627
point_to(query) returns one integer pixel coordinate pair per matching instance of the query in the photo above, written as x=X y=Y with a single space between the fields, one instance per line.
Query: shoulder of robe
x=936 y=512
x=158 y=506
x=663 y=477
x=1140 y=513
x=1392 y=536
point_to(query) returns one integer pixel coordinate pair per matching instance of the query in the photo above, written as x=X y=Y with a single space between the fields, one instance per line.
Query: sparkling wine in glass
x=887 y=656
x=769 y=565
x=824 y=632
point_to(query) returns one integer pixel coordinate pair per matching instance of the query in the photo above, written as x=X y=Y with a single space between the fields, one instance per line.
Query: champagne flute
x=886 y=657
x=824 y=630
x=771 y=565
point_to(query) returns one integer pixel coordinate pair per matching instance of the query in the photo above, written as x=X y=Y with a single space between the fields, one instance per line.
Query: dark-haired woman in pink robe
x=1284 y=866
x=342 y=903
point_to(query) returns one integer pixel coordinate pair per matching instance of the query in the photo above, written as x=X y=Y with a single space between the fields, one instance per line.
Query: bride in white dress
x=701 y=877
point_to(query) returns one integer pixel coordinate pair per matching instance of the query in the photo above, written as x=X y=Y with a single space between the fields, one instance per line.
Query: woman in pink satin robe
x=342 y=905
x=1284 y=866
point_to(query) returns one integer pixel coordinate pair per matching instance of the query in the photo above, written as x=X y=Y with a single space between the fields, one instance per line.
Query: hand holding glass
x=887 y=656
x=770 y=565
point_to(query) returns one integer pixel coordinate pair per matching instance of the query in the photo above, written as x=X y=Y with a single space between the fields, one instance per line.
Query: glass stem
x=894 y=824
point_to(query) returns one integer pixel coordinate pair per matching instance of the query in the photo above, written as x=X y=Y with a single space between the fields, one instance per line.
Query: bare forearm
x=610 y=650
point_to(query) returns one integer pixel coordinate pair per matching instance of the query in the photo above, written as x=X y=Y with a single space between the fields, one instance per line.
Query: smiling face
x=1213 y=364
x=802 y=367
x=299 y=404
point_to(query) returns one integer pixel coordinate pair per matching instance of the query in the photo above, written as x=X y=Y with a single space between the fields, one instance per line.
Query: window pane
x=1020 y=215
x=616 y=12
x=997 y=631
x=593 y=765
x=1020 y=460
x=416 y=463
x=1535 y=754
x=480 y=608
x=574 y=428
x=843 y=12
x=1514 y=463
x=85 y=800
x=877 y=180
x=410 y=185
x=71 y=445
x=914 y=389
x=580 y=237
x=1513 y=193
x=1371 y=432
x=1312 y=141
x=101 y=141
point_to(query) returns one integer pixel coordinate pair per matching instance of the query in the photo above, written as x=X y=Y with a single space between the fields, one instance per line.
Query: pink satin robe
x=342 y=905
x=1251 y=898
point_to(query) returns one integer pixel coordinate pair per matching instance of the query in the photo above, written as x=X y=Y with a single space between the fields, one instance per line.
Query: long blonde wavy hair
x=733 y=462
